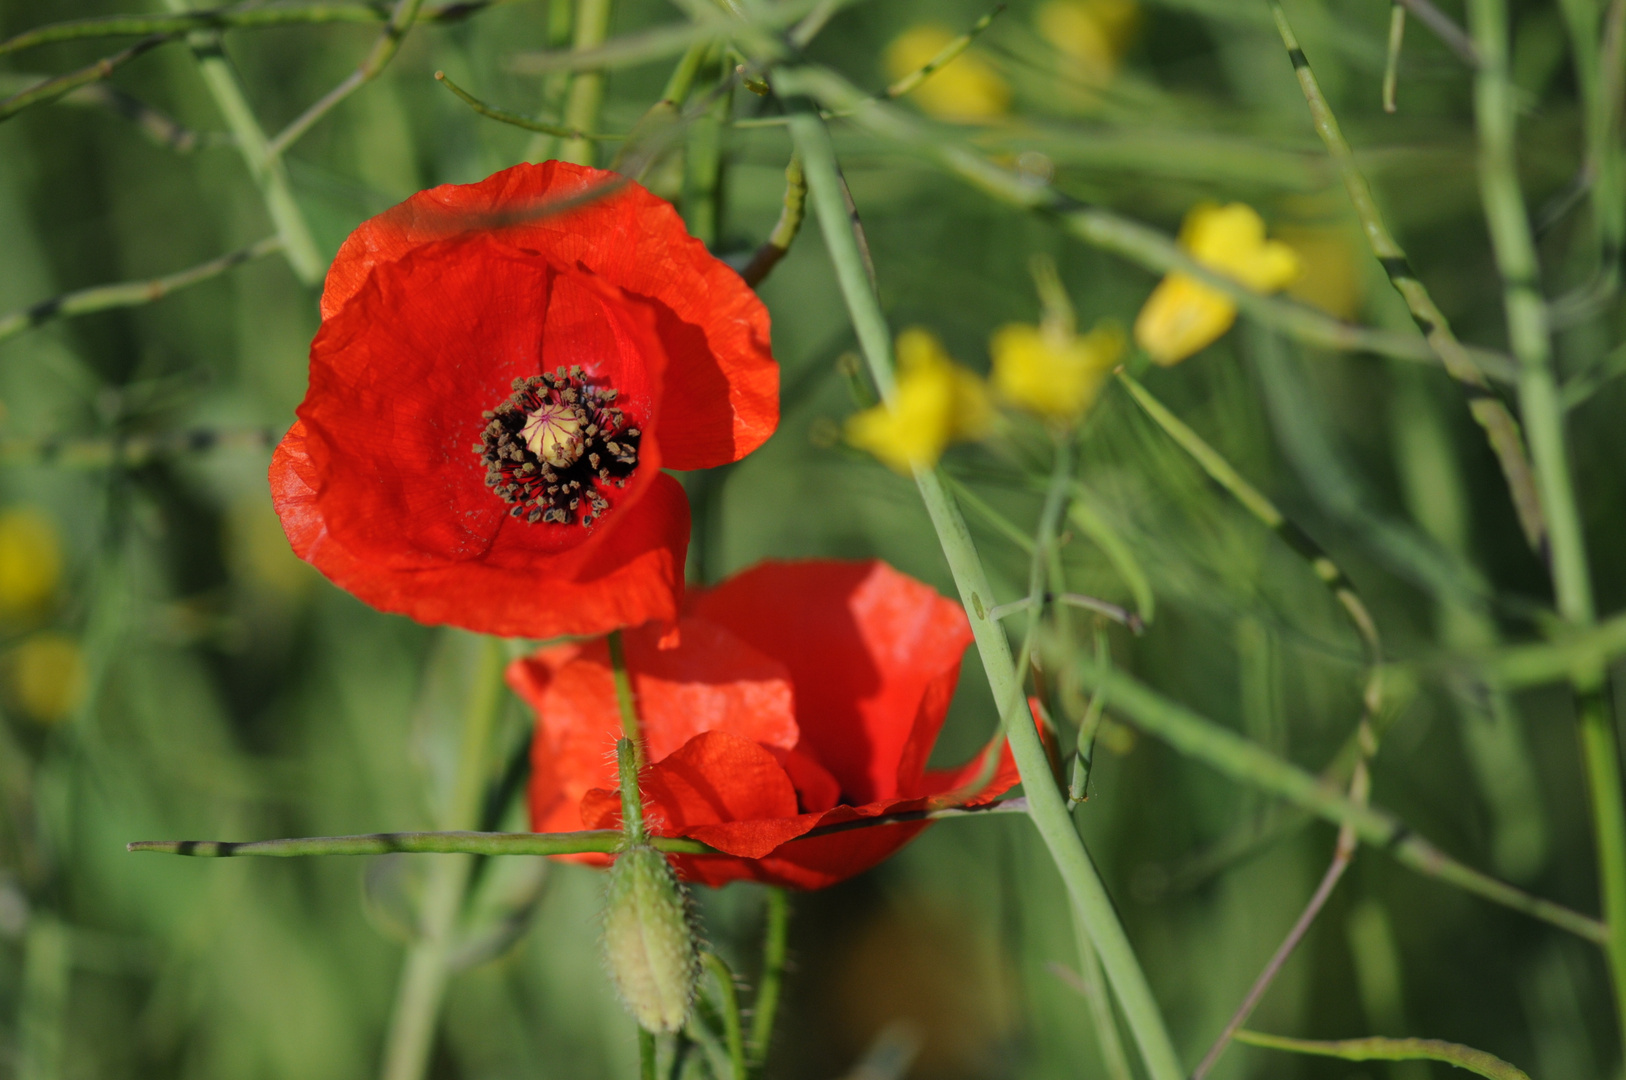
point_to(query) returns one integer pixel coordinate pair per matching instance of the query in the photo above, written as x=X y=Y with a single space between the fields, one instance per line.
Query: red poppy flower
x=503 y=369
x=797 y=696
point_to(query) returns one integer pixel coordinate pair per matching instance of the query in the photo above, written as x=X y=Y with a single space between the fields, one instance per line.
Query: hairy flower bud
x=648 y=944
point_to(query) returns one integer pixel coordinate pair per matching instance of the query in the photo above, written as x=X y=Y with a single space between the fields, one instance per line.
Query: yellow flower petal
x=30 y=561
x=48 y=676
x=1094 y=33
x=966 y=88
x=1057 y=378
x=1183 y=315
x=937 y=402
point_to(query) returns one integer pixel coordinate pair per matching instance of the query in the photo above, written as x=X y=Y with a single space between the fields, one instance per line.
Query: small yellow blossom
x=1051 y=372
x=48 y=676
x=965 y=88
x=1331 y=279
x=1092 y=34
x=1183 y=315
x=30 y=561
x=937 y=402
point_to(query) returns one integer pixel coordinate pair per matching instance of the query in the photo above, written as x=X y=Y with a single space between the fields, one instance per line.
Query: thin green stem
x=1094 y=990
x=268 y=172
x=504 y=116
x=49 y=90
x=1381 y=1049
x=646 y=1055
x=130 y=293
x=388 y=43
x=785 y=229
x=586 y=87
x=247 y=16
x=1514 y=247
x=1391 y=61
x=944 y=56
x=775 y=947
x=423 y=978
x=1251 y=764
x=729 y=1005
x=1046 y=806
x=1137 y=243
x=626 y=699
x=1501 y=430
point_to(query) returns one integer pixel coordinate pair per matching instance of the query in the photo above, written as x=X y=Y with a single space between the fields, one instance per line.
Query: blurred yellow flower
x=30 y=561
x=48 y=676
x=1331 y=257
x=1050 y=371
x=1183 y=315
x=258 y=553
x=965 y=88
x=1093 y=34
x=937 y=402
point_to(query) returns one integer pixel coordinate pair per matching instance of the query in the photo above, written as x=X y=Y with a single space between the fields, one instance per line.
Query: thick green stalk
x=1047 y=808
x=586 y=87
x=1528 y=332
x=266 y=168
x=423 y=979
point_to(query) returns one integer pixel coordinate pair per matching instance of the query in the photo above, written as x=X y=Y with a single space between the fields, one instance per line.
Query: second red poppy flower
x=503 y=369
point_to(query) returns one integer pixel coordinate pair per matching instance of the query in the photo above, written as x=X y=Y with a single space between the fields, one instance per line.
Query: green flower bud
x=648 y=944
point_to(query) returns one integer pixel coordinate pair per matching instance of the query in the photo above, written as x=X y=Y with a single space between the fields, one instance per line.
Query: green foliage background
x=233 y=694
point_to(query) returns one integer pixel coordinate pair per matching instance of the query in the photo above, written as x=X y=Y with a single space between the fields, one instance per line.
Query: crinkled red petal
x=722 y=397
x=625 y=576
x=873 y=656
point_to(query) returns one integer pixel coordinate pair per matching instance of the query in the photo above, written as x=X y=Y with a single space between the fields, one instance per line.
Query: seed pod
x=648 y=944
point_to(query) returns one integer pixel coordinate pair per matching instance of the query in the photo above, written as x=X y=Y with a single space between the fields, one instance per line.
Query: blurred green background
x=169 y=669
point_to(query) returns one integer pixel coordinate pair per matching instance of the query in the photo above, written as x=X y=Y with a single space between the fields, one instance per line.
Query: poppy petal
x=627 y=575
x=726 y=402
x=866 y=647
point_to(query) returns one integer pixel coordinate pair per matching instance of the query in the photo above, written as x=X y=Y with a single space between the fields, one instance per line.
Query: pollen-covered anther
x=553 y=443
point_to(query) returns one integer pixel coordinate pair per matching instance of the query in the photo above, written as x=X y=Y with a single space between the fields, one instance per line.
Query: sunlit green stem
x=1047 y=808
x=423 y=978
x=586 y=87
x=728 y=1000
x=1528 y=332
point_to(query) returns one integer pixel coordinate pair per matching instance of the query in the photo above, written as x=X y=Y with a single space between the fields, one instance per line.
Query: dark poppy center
x=554 y=445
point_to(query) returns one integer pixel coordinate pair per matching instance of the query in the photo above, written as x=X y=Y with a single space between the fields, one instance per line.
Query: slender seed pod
x=649 y=946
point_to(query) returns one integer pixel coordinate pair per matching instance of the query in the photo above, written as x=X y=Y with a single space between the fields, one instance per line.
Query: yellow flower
x=48 y=676
x=937 y=402
x=1331 y=280
x=966 y=88
x=1093 y=34
x=30 y=561
x=1050 y=371
x=1183 y=315
x=258 y=553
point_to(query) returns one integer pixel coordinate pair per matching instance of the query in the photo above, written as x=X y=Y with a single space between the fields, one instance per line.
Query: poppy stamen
x=551 y=448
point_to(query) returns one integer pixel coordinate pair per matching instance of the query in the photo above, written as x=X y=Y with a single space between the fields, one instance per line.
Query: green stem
x=646 y=1055
x=729 y=1000
x=515 y=119
x=1100 y=1006
x=388 y=43
x=774 y=947
x=586 y=87
x=130 y=293
x=268 y=172
x=1381 y=1049
x=1248 y=763
x=1047 y=808
x=247 y=16
x=785 y=229
x=423 y=979
x=43 y=93
x=1528 y=332
x=1138 y=243
x=1501 y=430
x=626 y=699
